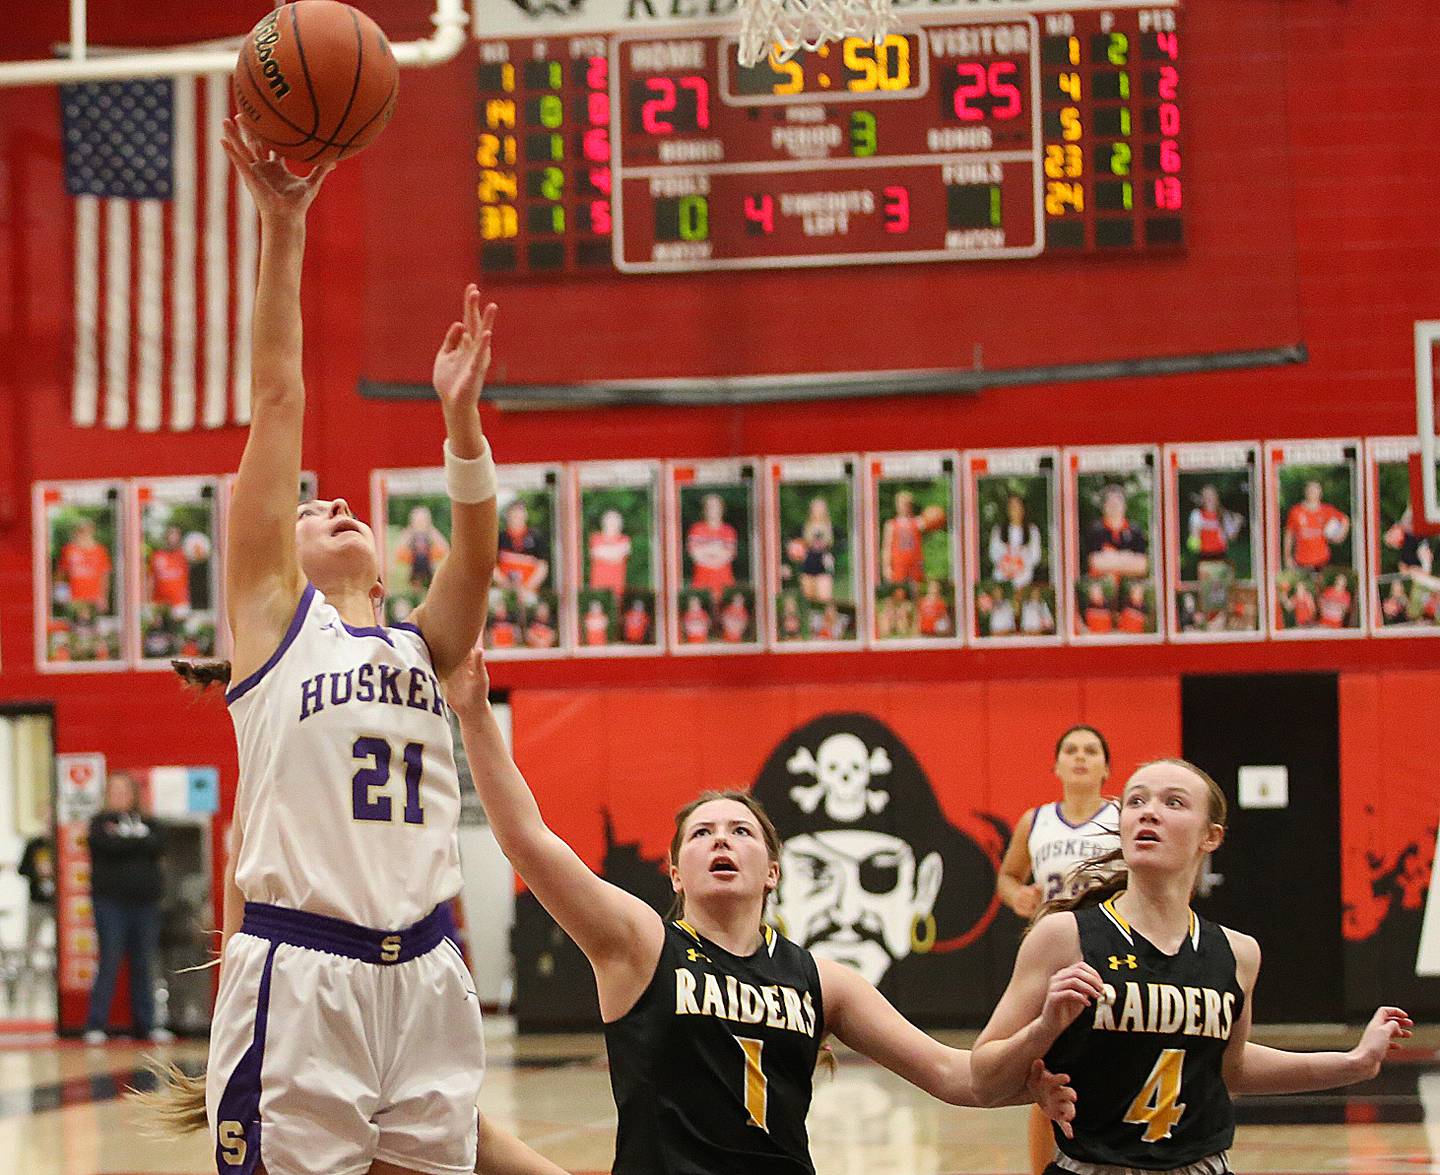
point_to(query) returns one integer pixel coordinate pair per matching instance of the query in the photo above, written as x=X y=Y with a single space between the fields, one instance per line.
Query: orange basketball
x=316 y=81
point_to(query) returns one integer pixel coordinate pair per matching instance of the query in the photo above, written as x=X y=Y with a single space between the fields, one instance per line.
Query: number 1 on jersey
x=1157 y=1106
x=755 y=1092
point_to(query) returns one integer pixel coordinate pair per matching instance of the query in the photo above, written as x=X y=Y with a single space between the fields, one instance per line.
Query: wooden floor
x=61 y=1114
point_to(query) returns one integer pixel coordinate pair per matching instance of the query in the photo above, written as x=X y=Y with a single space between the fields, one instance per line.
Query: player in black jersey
x=1146 y=1005
x=713 y=1022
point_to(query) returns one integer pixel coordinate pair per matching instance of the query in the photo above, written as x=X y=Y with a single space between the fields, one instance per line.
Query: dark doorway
x=1280 y=866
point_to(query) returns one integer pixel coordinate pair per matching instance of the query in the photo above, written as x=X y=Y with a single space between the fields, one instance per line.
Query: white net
x=784 y=27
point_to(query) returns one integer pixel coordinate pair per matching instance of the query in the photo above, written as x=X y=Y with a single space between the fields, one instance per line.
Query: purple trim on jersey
x=318 y=932
x=368 y=630
x=236 y=692
x=241 y=1100
x=1060 y=813
x=406 y=626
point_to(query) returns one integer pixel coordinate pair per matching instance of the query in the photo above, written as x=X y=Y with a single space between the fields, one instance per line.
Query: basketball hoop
x=781 y=28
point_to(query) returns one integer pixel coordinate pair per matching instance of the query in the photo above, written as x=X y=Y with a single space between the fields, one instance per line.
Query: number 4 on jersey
x=1157 y=1106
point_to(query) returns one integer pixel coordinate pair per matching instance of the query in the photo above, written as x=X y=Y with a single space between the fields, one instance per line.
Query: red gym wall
x=1333 y=206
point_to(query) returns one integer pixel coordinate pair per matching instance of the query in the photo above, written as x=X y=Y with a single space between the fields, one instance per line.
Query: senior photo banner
x=410 y=510
x=527 y=595
x=175 y=570
x=1315 y=544
x=1404 y=577
x=618 y=609
x=1112 y=542
x=712 y=548
x=78 y=542
x=1012 y=547
x=1214 y=542
x=812 y=532
x=912 y=550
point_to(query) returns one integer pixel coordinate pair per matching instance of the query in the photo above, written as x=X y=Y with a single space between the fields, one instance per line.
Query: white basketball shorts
x=333 y=1045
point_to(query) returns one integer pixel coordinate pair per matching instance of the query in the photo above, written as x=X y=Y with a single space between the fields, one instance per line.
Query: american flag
x=166 y=247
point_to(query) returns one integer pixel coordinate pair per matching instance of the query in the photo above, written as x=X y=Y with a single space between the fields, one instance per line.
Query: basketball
x=315 y=81
x=1335 y=530
x=932 y=517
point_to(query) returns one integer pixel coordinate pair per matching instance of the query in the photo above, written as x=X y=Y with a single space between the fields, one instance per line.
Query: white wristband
x=470 y=479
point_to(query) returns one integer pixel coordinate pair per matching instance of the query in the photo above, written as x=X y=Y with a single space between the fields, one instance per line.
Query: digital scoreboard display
x=954 y=139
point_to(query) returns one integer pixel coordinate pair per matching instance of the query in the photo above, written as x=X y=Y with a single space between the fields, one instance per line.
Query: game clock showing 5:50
x=850 y=69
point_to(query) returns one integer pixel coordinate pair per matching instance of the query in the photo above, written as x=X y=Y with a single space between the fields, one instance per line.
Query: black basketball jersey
x=1146 y=1059
x=712 y=1068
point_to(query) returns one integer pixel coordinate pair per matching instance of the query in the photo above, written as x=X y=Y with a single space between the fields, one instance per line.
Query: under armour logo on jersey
x=697 y=956
x=1118 y=961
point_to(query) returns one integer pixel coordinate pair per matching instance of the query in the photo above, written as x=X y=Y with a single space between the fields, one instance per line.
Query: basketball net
x=781 y=28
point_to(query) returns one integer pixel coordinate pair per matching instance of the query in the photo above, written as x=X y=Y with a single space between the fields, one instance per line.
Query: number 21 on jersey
x=1157 y=1106
x=376 y=753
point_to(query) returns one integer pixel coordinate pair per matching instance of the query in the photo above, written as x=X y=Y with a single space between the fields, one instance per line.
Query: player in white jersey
x=346 y=1037
x=1049 y=842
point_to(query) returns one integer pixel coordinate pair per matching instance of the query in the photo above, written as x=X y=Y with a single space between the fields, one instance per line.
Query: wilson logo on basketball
x=265 y=36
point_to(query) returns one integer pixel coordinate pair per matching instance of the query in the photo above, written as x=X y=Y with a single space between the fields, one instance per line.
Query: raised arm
x=453 y=612
x=262 y=572
x=620 y=934
x=1047 y=991
x=865 y=1020
x=1012 y=882
x=1255 y=1068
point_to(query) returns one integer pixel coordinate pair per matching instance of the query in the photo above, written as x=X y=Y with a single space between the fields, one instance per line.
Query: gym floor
x=62 y=1113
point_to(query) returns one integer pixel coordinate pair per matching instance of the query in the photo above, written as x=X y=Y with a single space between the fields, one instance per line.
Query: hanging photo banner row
x=1225 y=541
x=127 y=573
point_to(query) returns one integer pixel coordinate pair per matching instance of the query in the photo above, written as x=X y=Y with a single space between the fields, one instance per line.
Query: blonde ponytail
x=177 y=1101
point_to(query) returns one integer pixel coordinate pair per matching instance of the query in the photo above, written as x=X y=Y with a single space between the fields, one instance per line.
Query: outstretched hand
x=277 y=191
x=467 y=689
x=1387 y=1028
x=1055 y=1096
x=464 y=356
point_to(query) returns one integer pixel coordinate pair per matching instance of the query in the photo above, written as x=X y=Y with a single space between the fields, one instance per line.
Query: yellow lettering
x=390 y=948
x=1192 y=1011
x=774 y=1009
x=685 y=1004
x=714 y=1002
x=1212 y=1013
x=752 y=1007
x=1105 y=1010
x=794 y=1010
x=1172 y=1009
x=1132 y=1016
x=1229 y=1017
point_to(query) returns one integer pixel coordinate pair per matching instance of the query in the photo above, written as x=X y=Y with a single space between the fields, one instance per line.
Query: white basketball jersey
x=1057 y=846
x=348 y=793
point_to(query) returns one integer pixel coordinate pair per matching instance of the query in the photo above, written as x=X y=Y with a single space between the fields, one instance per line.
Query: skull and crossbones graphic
x=843 y=767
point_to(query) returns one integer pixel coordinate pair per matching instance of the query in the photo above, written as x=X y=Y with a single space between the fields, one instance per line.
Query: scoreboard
x=956 y=138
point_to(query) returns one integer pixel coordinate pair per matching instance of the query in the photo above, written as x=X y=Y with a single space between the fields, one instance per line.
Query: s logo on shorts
x=232 y=1143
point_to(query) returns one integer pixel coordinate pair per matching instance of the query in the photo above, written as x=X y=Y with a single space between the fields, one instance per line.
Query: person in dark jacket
x=125 y=884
